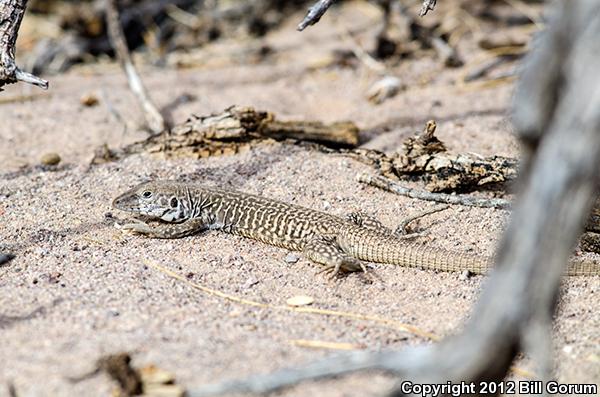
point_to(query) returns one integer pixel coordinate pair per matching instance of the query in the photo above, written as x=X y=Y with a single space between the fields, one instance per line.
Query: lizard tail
x=579 y=267
x=438 y=259
x=374 y=247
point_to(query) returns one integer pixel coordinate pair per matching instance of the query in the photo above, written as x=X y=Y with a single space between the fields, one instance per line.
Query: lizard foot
x=138 y=227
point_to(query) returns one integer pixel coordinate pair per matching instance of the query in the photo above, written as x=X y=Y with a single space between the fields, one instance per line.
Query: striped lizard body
x=339 y=244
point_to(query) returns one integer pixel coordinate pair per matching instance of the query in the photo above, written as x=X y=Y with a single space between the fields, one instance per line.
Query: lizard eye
x=173 y=202
x=147 y=194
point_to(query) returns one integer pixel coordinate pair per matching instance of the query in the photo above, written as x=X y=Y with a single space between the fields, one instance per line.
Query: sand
x=79 y=288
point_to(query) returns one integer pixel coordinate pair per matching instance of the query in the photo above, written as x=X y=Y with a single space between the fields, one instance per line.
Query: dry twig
x=460 y=199
x=428 y=5
x=315 y=13
x=154 y=119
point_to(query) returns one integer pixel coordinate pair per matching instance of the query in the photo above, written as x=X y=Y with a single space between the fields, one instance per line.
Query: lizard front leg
x=169 y=230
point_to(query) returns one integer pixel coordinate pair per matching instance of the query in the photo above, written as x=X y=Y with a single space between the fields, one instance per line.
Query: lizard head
x=154 y=199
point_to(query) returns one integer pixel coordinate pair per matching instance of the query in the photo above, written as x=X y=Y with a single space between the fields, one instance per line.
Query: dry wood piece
x=428 y=5
x=145 y=382
x=118 y=366
x=590 y=239
x=315 y=13
x=11 y=15
x=425 y=158
x=590 y=242
x=593 y=224
x=238 y=128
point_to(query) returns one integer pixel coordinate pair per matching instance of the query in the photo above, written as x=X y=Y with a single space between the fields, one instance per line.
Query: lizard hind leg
x=368 y=222
x=326 y=252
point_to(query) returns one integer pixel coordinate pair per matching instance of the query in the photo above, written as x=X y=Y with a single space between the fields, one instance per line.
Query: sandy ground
x=80 y=289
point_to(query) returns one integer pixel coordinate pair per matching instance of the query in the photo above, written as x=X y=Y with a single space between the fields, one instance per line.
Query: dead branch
x=315 y=13
x=384 y=183
x=154 y=119
x=428 y=5
x=424 y=158
x=11 y=15
x=557 y=191
x=237 y=129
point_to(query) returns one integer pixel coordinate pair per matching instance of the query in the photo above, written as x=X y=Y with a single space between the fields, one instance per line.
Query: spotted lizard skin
x=339 y=244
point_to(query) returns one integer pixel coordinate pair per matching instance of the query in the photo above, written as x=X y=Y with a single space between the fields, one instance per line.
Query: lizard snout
x=125 y=202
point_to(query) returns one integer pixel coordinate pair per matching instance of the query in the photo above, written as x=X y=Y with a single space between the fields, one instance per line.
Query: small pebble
x=292 y=257
x=54 y=277
x=383 y=89
x=465 y=275
x=89 y=100
x=50 y=159
x=300 y=300
x=249 y=283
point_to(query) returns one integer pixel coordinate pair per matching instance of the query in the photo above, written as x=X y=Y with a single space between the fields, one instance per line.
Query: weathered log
x=238 y=128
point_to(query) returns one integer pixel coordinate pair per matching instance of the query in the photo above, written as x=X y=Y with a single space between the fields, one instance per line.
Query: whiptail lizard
x=338 y=244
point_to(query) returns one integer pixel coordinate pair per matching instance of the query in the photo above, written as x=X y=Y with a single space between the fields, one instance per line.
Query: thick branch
x=11 y=15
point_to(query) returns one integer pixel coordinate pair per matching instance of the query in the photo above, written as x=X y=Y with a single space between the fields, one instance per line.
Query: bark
x=11 y=15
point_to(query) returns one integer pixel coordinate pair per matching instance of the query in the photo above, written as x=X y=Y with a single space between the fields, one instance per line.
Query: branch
x=461 y=199
x=11 y=15
x=154 y=119
x=326 y=368
x=428 y=5
x=315 y=13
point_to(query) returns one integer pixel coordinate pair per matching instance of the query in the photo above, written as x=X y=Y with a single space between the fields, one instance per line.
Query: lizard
x=339 y=244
